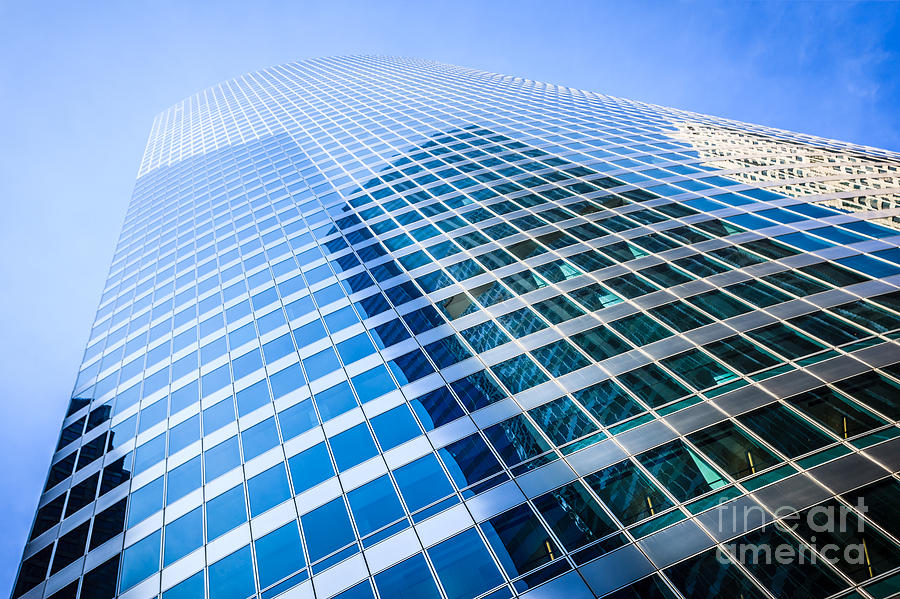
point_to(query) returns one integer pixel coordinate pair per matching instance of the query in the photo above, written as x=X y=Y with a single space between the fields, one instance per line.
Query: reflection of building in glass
x=857 y=182
x=380 y=327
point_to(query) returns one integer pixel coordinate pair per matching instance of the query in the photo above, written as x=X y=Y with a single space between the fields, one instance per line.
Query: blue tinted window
x=153 y=414
x=355 y=348
x=298 y=308
x=270 y=321
x=320 y=364
x=478 y=390
x=185 y=396
x=232 y=576
x=341 y=319
x=268 y=489
x=149 y=453
x=218 y=416
x=244 y=365
x=183 y=536
x=519 y=540
x=329 y=294
x=410 y=367
x=436 y=408
x=191 y=588
x=309 y=333
x=140 y=561
x=374 y=505
x=242 y=335
x=146 y=501
x=373 y=383
x=334 y=401
x=352 y=447
x=395 y=427
x=410 y=578
x=311 y=467
x=215 y=380
x=287 y=380
x=279 y=554
x=361 y=591
x=469 y=460
x=224 y=512
x=389 y=333
x=253 y=397
x=278 y=348
x=464 y=566
x=372 y=305
x=422 y=482
x=184 y=434
x=221 y=458
x=297 y=419
x=259 y=438
x=327 y=529
x=183 y=480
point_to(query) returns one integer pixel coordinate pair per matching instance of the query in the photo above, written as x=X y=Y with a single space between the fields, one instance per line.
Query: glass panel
x=519 y=540
x=268 y=489
x=422 y=482
x=140 y=561
x=516 y=440
x=741 y=354
x=469 y=460
x=783 y=429
x=711 y=575
x=353 y=446
x=628 y=492
x=410 y=579
x=562 y=420
x=574 y=516
x=733 y=450
x=394 y=427
x=326 y=529
x=681 y=470
x=232 y=577
x=374 y=505
x=835 y=412
x=875 y=391
x=183 y=536
x=861 y=552
x=225 y=512
x=698 y=369
x=795 y=578
x=608 y=402
x=279 y=554
x=464 y=566
x=310 y=467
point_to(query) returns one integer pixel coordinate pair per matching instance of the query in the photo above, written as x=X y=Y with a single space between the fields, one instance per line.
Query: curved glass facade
x=382 y=327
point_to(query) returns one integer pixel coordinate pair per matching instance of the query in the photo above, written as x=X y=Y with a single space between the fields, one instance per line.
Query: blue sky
x=80 y=84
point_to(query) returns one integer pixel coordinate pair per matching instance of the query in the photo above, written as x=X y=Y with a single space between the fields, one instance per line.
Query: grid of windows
x=386 y=327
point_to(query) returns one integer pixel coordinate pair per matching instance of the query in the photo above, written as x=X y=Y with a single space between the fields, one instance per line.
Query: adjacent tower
x=383 y=327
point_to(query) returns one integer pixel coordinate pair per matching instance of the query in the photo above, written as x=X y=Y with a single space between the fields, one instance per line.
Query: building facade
x=383 y=327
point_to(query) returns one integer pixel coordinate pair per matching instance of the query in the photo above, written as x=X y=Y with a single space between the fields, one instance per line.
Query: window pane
x=464 y=566
x=232 y=577
x=310 y=467
x=278 y=554
x=410 y=579
x=327 y=529
x=628 y=492
x=374 y=505
x=681 y=470
x=574 y=516
x=519 y=540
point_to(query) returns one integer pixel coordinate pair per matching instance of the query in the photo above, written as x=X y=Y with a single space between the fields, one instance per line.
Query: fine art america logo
x=833 y=521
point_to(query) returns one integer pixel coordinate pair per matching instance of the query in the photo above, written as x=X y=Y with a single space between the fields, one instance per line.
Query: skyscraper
x=389 y=327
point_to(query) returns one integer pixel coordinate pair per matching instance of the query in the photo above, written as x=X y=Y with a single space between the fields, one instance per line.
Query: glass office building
x=383 y=327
